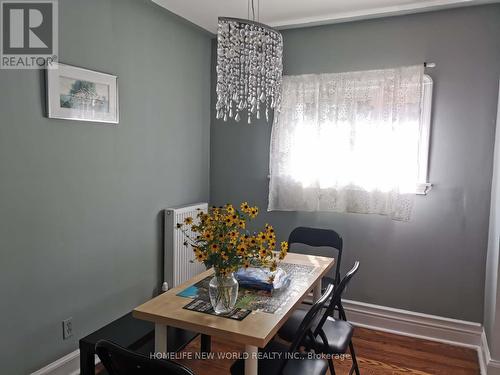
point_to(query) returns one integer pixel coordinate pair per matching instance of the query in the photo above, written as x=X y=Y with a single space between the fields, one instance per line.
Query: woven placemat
x=202 y=306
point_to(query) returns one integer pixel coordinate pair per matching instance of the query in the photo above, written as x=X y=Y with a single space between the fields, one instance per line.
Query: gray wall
x=492 y=290
x=435 y=263
x=80 y=202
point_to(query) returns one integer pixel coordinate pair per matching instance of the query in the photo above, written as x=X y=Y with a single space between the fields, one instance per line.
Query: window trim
x=423 y=185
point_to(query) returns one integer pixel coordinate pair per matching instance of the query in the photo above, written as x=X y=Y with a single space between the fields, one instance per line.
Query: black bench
x=134 y=334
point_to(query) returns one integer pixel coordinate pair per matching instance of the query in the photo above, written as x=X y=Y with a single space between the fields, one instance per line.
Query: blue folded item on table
x=259 y=278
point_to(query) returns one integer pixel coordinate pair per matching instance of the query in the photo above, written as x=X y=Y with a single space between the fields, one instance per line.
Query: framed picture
x=80 y=94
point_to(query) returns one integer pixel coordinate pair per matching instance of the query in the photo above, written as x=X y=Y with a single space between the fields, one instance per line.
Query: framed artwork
x=80 y=94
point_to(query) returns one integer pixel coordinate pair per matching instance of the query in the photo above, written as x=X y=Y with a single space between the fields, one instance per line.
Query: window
x=352 y=142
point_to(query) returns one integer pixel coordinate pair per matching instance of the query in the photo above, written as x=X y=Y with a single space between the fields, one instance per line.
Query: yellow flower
x=224 y=256
x=254 y=211
x=209 y=236
x=230 y=208
x=242 y=224
x=262 y=236
x=200 y=256
x=262 y=252
x=188 y=220
x=271 y=235
x=244 y=206
x=214 y=247
x=284 y=246
x=233 y=237
x=241 y=249
x=246 y=264
x=252 y=241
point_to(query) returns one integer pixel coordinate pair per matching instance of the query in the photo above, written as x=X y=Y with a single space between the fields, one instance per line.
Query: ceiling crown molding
x=285 y=14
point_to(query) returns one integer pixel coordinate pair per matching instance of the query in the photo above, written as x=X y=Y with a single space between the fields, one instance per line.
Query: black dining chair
x=316 y=237
x=288 y=360
x=121 y=361
x=330 y=336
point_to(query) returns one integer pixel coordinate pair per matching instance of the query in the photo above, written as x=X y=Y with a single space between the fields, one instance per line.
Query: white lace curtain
x=347 y=142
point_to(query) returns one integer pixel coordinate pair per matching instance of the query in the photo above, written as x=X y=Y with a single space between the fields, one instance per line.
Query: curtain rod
x=429 y=65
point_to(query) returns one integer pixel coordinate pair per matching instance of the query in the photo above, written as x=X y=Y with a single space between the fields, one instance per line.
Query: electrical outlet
x=67 y=328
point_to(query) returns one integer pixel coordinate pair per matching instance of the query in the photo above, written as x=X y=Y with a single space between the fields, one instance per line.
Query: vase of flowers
x=223 y=292
x=220 y=239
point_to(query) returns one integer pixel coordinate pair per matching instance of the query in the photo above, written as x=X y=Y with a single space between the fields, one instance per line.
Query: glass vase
x=223 y=291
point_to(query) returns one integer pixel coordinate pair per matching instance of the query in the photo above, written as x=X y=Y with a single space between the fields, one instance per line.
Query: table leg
x=317 y=291
x=206 y=344
x=87 y=360
x=160 y=338
x=251 y=363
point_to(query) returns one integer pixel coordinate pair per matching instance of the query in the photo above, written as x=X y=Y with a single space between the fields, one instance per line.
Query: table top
x=256 y=329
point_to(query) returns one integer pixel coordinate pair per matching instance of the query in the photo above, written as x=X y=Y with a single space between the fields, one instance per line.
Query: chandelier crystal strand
x=249 y=69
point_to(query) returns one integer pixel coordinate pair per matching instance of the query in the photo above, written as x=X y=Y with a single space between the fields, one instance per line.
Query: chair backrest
x=337 y=297
x=120 y=361
x=307 y=323
x=319 y=237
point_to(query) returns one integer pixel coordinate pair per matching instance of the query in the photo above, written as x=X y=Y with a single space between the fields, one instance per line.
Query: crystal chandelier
x=249 y=68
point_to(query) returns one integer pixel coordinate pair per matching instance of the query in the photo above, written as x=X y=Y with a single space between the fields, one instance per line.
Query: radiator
x=177 y=257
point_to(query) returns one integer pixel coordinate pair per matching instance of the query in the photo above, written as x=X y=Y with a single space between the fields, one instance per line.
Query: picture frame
x=75 y=93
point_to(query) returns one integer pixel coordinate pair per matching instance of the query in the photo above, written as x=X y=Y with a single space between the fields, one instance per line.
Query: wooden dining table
x=254 y=331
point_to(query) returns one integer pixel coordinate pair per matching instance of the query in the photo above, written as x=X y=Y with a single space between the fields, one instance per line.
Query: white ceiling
x=296 y=13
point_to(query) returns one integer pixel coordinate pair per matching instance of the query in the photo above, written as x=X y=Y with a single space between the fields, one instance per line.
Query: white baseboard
x=381 y=318
x=409 y=323
x=67 y=365
x=491 y=366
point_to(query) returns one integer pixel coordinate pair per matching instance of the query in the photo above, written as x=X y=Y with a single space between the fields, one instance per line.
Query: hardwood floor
x=378 y=353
